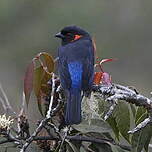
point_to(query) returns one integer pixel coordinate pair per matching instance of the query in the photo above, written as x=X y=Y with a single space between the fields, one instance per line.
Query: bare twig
x=3 y=104
x=6 y=105
x=55 y=129
x=23 y=104
x=141 y=125
x=111 y=109
x=115 y=92
x=52 y=97
x=97 y=140
x=31 y=138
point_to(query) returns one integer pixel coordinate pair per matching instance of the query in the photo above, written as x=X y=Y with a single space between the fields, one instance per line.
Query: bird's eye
x=68 y=34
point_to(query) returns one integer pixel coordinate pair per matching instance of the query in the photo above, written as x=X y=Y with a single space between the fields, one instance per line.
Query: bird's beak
x=59 y=35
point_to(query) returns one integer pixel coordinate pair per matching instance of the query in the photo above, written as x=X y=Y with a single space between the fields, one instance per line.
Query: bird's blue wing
x=75 y=70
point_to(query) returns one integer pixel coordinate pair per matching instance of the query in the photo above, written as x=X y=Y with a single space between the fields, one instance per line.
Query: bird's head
x=71 y=33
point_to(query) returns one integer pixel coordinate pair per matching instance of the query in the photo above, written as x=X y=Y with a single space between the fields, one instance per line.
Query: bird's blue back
x=76 y=62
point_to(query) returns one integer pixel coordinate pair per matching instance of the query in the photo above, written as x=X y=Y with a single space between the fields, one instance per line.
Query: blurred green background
x=121 y=28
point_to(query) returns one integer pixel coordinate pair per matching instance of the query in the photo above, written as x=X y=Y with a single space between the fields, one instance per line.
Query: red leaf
x=97 y=78
x=38 y=77
x=28 y=81
x=106 y=60
x=106 y=78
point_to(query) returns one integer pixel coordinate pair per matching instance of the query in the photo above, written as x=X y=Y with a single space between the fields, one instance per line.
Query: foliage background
x=122 y=30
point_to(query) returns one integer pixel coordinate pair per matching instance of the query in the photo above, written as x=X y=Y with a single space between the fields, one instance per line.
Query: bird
x=75 y=68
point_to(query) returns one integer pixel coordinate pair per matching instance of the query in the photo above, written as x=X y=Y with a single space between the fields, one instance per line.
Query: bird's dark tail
x=73 y=108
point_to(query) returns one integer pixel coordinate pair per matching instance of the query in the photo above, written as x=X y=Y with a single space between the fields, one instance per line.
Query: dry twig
x=115 y=92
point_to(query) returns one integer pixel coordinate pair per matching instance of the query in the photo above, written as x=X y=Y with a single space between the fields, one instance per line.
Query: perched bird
x=76 y=69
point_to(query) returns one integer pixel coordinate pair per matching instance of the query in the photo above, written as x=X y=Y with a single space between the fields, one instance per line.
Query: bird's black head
x=71 y=33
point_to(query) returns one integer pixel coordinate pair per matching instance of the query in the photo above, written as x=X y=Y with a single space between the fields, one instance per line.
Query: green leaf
x=107 y=135
x=39 y=103
x=145 y=134
x=147 y=142
x=28 y=81
x=95 y=125
x=48 y=61
x=101 y=147
x=139 y=113
x=38 y=76
x=141 y=139
x=133 y=109
x=134 y=141
x=122 y=117
x=117 y=149
x=141 y=118
x=112 y=122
